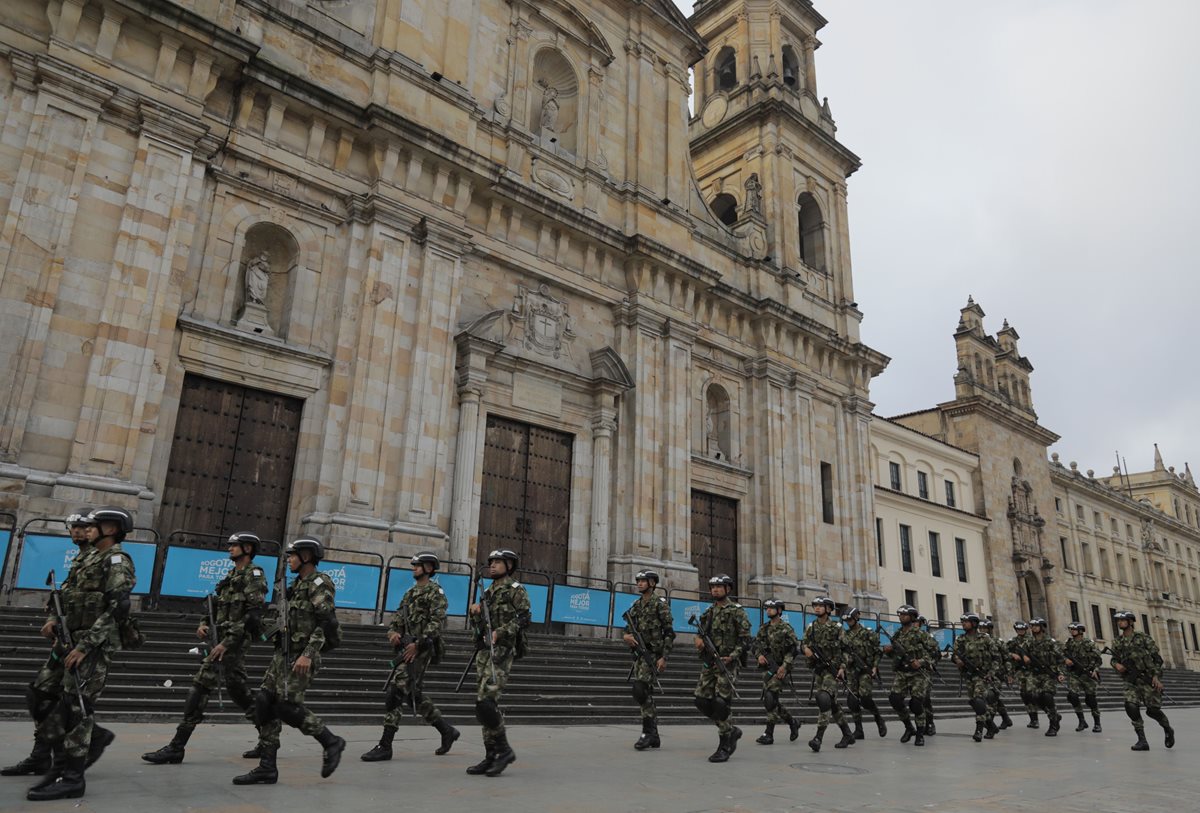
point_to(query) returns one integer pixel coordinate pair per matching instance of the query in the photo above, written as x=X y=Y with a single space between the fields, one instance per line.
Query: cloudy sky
x=1043 y=156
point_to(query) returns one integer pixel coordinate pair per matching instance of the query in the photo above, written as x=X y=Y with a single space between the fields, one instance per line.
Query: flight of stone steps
x=564 y=680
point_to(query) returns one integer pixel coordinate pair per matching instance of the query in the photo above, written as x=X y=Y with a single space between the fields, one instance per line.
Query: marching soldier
x=46 y=687
x=1023 y=675
x=1082 y=660
x=909 y=651
x=310 y=626
x=508 y=607
x=861 y=646
x=727 y=627
x=1001 y=669
x=1135 y=657
x=973 y=657
x=822 y=645
x=416 y=634
x=776 y=647
x=934 y=655
x=650 y=615
x=96 y=605
x=1043 y=657
x=238 y=604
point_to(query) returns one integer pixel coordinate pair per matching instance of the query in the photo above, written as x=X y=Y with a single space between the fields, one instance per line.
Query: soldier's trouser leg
x=643 y=690
x=896 y=699
x=773 y=701
x=487 y=693
x=714 y=696
x=1153 y=703
x=65 y=727
x=290 y=710
x=977 y=699
x=855 y=704
x=203 y=684
x=826 y=696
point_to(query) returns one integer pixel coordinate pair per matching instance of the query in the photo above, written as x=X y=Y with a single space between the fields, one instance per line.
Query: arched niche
x=725 y=69
x=811 y=227
x=791 y=68
x=717 y=423
x=554 y=100
x=725 y=207
x=266 y=280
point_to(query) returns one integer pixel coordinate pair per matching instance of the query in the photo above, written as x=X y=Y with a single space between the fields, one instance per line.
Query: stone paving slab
x=594 y=769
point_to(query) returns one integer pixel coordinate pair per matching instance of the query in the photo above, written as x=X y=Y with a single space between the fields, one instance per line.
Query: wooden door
x=714 y=537
x=231 y=461
x=526 y=499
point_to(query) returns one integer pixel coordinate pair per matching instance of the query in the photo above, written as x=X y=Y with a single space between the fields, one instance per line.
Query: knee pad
x=1156 y=714
x=1133 y=711
x=290 y=712
x=1046 y=699
x=721 y=708
x=854 y=702
x=39 y=703
x=1073 y=698
x=1027 y=698
x=264 y=707
x=993 y=697
x=978 y=705
x=705 y=704
x=915 y=704
x=824 y=701
x=1092 y=703
x=897 y=701
x=770 y=700
x=640 y=692
x=195 y=701
x=868 y=703
x=240 y=695
x=393 y=698
x=487 y=713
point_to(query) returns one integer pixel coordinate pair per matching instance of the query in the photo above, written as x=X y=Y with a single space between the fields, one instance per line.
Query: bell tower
x=765 y=148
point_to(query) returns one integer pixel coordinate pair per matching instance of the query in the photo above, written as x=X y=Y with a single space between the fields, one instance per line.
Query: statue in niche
x=753 y=195
x=258 y=275
x=550 y=109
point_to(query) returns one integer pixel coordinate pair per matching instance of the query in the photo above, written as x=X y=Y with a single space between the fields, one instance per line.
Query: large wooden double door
x=232 y=459
x=526 y=499
x=714 y=536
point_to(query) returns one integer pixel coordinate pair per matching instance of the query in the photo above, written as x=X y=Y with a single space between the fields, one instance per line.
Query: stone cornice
x=976 y=404
x=981 y=520
x=1067 y=479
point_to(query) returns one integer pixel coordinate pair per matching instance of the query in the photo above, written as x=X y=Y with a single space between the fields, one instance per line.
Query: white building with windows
x=928 y=540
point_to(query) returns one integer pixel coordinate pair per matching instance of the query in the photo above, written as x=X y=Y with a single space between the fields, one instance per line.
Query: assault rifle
x=486 y=616
x=213 y=640
x=281 y=633
x=642 y=651
x=710 y=649
x=62 y=637
x=860 y=666
x=1132 y=673
x=898 y=652
x=398 y=650
x=772 y=668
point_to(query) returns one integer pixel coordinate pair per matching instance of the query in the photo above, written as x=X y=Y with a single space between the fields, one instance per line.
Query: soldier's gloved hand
x=410 y=652
x=202 y=631
x=629 y=639
x=218 y=652
x=48 y=629
x=661 y=664
x=394 y=637
x=74 y=658
x=303 y=665
x=762 y=661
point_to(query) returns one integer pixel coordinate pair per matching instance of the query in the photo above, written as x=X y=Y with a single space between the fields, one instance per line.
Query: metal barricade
x=190 y=564
x=580 y=603
x=455 y=578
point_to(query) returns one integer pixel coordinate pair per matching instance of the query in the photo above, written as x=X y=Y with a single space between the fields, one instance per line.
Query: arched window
x=554 y=99
x=725 y=207
x=725 y=69
x=811 y=231
x=791 y=68
x=716 y=423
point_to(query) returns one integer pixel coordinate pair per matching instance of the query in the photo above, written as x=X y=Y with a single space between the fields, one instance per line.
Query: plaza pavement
x=594 y=769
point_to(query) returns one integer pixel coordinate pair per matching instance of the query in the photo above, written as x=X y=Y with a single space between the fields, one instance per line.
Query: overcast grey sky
x=1043 y=156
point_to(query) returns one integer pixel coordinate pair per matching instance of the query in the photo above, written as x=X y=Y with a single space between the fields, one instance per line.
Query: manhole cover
x=821 y=767
x=950 y=734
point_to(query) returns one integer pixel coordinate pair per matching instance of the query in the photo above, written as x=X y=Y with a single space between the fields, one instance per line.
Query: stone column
x=810 y=65
x=676 y=450
x=474 y=353
x=603 y=426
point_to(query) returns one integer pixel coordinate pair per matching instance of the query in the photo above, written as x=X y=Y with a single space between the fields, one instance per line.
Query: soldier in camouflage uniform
x=238 y=599
x=776 y=647
x=728 y=627
x=1082 y=660
x=933 y=656
x=508 y=606
x=1001 y=669
x=416 y=635
x=309 y=627
x=1044 y=659
x=861 y=648
x=96 y=604
x=909 y=649
x=44 y=691
x=652 y=616
x=822 y=645
x=1022 y=675
x=973 y=655
x=1136 y=659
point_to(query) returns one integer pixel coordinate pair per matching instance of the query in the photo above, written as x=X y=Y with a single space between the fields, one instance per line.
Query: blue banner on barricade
x=539 y=598
x=580 y=605
x=41 y=553
x=756 y=618
x=621 y=603
x=357 y=585
x=796 y=620
x=454 y=585
x=944 y=637
x=684 y=608
x=194 y=572
x=5 y=536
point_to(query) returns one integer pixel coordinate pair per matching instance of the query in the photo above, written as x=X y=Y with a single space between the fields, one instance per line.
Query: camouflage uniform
x=729 y=627
x=777 y=641
x=652 y=615
x=824 y=638
x=1001 y=670
x=1045 y=656
x=910 y=644
x=1081 y=681
x=508 y=603
x=281 y=698
x=975 y=651
x=861 y=648
x=421 y=614
x=94 y=603
x=1019 y=645
x=1139 y=655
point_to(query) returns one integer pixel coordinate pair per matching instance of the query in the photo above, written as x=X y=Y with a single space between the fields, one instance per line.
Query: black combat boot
x=504 y=757
x=449 y=735
x=1055 y=723
x=909 y=731
x=919 y=739
x=731 y=740
x=649 y=738
x=881 y=725
x=768 y=736
x=1141 y=744
x=68 y=786
x=253 y=753
x=1005 y=721
x=815 y=742
x=847 y=736
x=930 y=728
x=58 y=763
x=265 y=773
x=992 y=730
x=722 y=752
x=489 y=757
x=1033 y=720
x=858 y=731
x=978 y=735
x=382 y=752
x=101 y=739
x=1083 y=726
x=1168 y=737
x=37 y=762
x=172 y=752
x=793 y=724
x=1096 y=729
x=334 y=746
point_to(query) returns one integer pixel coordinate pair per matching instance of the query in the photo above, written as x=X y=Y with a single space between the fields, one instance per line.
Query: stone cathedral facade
x=439 y=275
